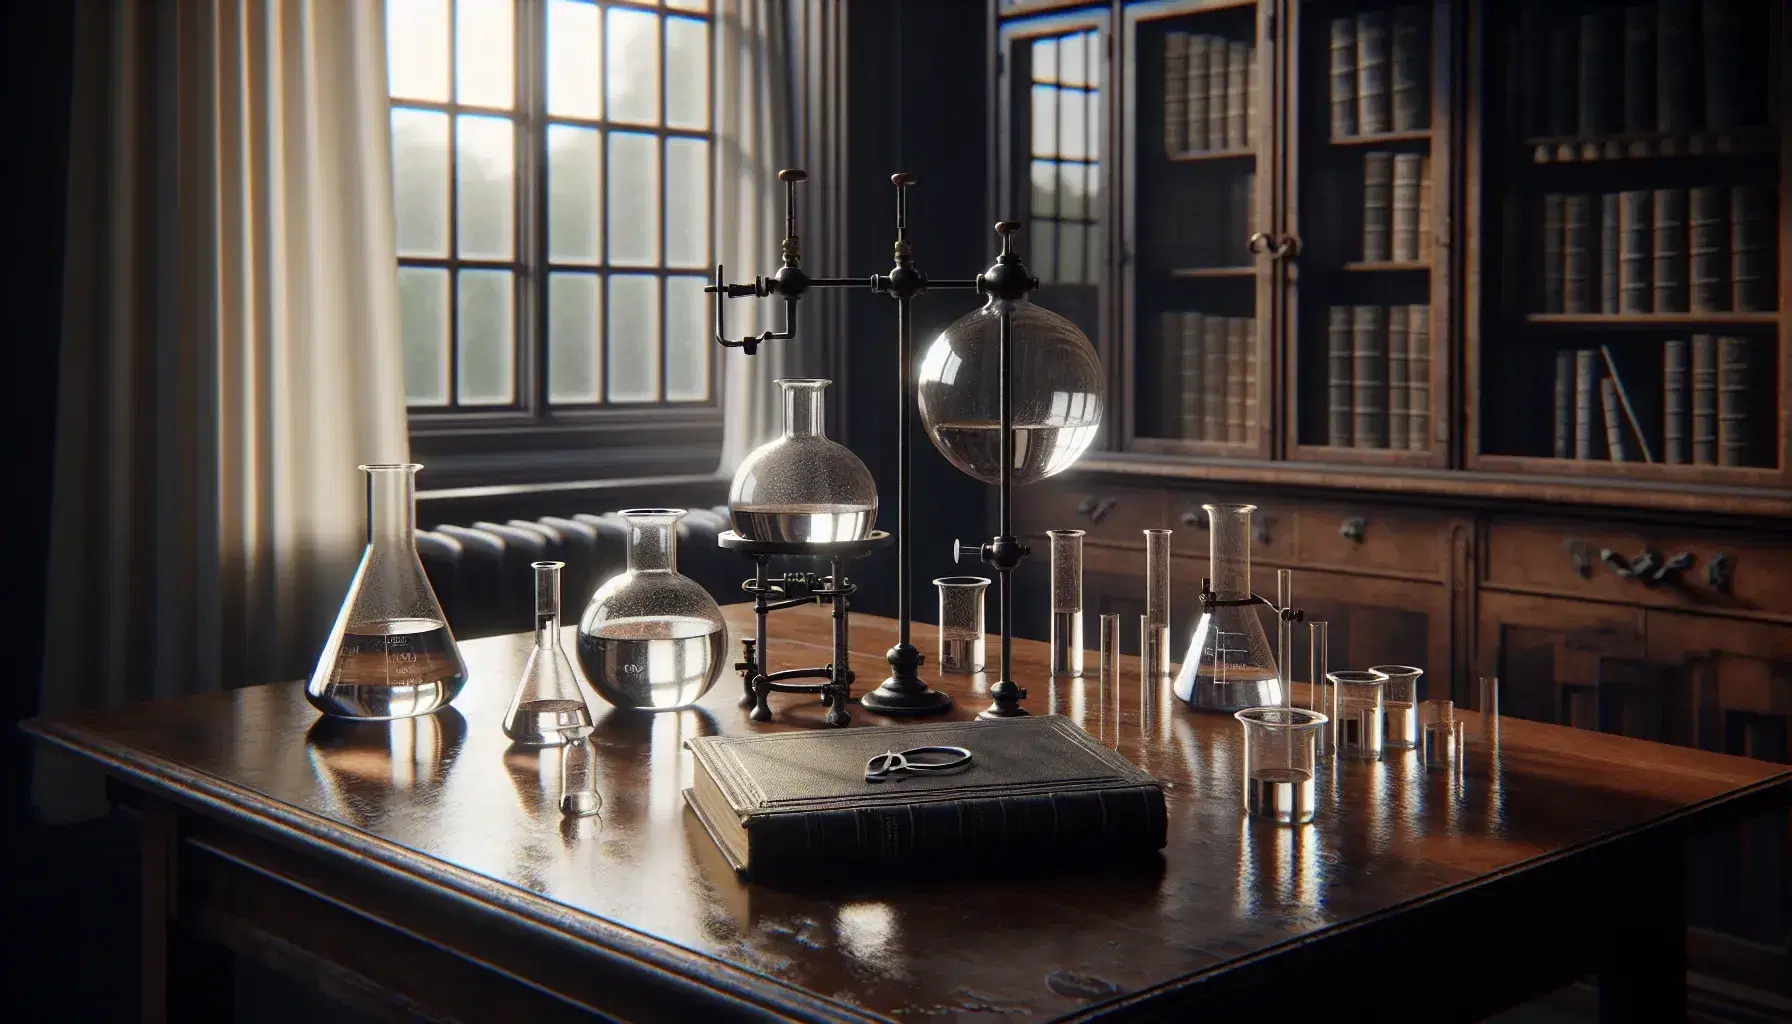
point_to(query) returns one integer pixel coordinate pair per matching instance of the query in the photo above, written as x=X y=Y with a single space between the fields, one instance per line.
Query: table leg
x=183 y=978
x=1643 y=976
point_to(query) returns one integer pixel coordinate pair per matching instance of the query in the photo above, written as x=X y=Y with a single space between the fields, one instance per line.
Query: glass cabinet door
x=1200 y=148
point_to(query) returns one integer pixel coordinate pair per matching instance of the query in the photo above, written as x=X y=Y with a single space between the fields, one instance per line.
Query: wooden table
x=422 y=868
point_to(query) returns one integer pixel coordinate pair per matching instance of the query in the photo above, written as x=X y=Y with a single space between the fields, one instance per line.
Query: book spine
x=1406 y=208
x=1343 y=77
x=1378 y=183
x=1372 y=72
x=1238 y=62
x=1577 y=291
x=1189 y=379
x=1710 y=247
x=1564 y=404
x=1175 y=96
x=1552 y=252
x=1252 y=86
x=1614 y=420
x=1633 y=256
x=1216 y=93
x=1750 y=253
x=1670 y=250
x=1585 y=374
x=1704 y=399
x=1531 y=71
x=1724 y=61
x=1338 y=395
x=1409 y=69
x=1399 y=324
x=1235 y=369
x=1194 y=89
x=1564 y=76
x=1599 y=72
x=1418 y=378
x=1673 y=402
x=1733 y=434
x=1673 y=72
x=1639 y=68
x=1608 y=253
x=1427 y=227
x=1369 y=359
x=1213 y=398
x=1247 y=330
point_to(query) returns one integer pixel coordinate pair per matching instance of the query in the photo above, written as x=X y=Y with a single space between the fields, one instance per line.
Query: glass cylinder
x=390 y=653
x=1319 y=688
x=1280 y=754
x=1437 y=731
x=548 y=700
x=1110 y=675
x=961 y=622
x=578 y=778
x=801 y=486
x=1490 y=708
x=1229 y=664
x=1284 y=628
x=1400 y=702
x=651 y=639
x=1154 y=644
x=1157 y=590
x=1360 y=716
x=1067 y=601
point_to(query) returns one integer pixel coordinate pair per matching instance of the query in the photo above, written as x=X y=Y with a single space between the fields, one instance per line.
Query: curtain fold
x=230 y=349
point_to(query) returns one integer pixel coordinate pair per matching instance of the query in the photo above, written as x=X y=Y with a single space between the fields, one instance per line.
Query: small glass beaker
x=579 y=797
x=1437 y=733
x=548 y=700
x=1067 y=602
x=961 y=622
x=1280 y=752
x=1400 y=704
x=1357 y=696
x=1157 y=590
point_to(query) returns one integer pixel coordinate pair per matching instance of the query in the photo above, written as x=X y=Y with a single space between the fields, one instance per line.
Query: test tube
x=578 y=782
x=1358 y=699
x=1154 y=644
x=1284 y=601
x=1490 y=709
x=1067 y=602
x=1437 y=730
x=1109 y=689
x=1157 y=590
x=1319 y=690
x=961 y=622
x=1279 y=758
x=1400 y=702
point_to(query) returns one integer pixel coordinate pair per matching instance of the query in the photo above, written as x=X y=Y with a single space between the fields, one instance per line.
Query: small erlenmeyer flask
x=548 y=700
x=390 y=654
x=1229 y=665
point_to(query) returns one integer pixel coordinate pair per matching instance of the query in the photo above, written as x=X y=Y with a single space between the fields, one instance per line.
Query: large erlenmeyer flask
x=1229 y=665
x=390 y=654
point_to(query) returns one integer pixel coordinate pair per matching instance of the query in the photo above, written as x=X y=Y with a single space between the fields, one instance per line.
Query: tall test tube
x=1109 y=690
x=1157 y=593
x=1284 y=601
x=1319 y=666
x=1067 y=602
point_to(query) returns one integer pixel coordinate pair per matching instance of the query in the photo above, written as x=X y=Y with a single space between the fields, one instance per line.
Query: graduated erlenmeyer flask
x=548 y=701
x=390 y=654
x=1229 y=665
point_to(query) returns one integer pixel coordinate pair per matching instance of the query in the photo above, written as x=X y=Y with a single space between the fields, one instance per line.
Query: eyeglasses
x=893 y=764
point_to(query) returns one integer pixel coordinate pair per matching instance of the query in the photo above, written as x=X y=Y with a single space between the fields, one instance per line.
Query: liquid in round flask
x=801 y=486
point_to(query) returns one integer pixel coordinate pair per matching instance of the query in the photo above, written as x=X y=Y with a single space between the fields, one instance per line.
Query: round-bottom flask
x=801 y=486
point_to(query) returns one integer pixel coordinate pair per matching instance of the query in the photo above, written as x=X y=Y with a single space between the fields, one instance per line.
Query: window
x=1066 y=133
x=551 y=176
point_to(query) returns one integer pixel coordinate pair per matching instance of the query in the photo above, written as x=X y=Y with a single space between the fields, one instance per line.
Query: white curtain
x=230 y=348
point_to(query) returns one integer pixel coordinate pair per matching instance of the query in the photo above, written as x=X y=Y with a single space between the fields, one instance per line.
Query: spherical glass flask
x=651 y=639
x=801 y=486
x=1056 y=397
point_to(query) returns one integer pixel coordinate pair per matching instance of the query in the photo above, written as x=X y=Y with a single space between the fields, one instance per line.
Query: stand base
x=904 y=693
x=1005 y=698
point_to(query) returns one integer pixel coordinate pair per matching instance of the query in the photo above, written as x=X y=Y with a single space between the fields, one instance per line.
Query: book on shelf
x=1252 y=85
x=1369 y=369
x=1600 y=73
x=1704 y=399
x=1372 y=72
x=1378 y=184
x=1405 y=245
x=1399 y=324
x=1709 y=245
x=1418 y=378
x=1247 y=330
x=1577 y=254
x=1213 y=381
x=1614 y=423
x=1733 y=428
x=1633 y=253
x=1176 y=115
x=1723 y=37
x=1189 y=342
x=1193 y=87
x=1409 y=69
x=1552 y=252
x=1238 y=63
x=1608 y=253
x=1343 y=77
x=1564 y=432
x=1639 y=68
x=1673 y=70
x=1564 y=76
x=1235 y=370
x=1623 y=396
x=1427 y=229
x=1669 y=257
x=1217 y=64
x=1586 y=372
x=1338 y=363
x=1751 y=254
x=1673 y=403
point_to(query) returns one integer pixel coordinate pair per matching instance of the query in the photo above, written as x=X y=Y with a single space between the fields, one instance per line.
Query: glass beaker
x=651 y=639
x=390 y=653
x=801 y=486
x=1437 y=730
x=1067 y=602
x=1229 y=665
x=579 y=797
x=961 y=623
x=1400 y=704
x=1280 y=753
x=548 y=700
x=1157 y=591
x=1357 y=696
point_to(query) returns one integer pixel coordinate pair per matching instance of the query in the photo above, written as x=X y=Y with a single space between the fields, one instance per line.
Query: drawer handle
x=1352 y=529
x=1194 y=517
x=1718 y=572
x=1096 y=509
x=1620 y=565
x=1671 y=570
x=1260 y=530
x=1647 y=568
x=1579 y=559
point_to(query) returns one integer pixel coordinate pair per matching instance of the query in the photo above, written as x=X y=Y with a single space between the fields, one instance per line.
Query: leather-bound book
x=1217 y=63
x=1708 y=213
x=1552 y=252
x=1340 y=380
x=1600 y=73
x=1564 y=76
x=1369 y=370
x=1372 y=72
x=1564 y=432
x=1194 y=91
x=1418 y=378
x=1674 y=428
x=1378 y=188
x=1669 y=260
x=1674 y=58
x=1704 y=399
x=1189 y=338
x=1405 y=247
x=1608 y=253
x=1409 y=69
x=1247 y=329
x=1399 y=323
x=1252 y=86
x=1725 y=47
x=1213 y=382
x=1751 y=253
x=1634 y=238
x=1639 y=68
x=1238 y=65
x=1577 y=254
x=1614 y=420
x=1235 y=379
x=1175 y=92
x=1586 y=374
x=795 y=803
x=1734 y=429
x=1343 y=77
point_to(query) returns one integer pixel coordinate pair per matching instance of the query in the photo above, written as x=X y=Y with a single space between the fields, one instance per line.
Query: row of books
x=1206 y=226
x=1670 y=250
x=1706 y=416
x=1360 y=67
x=1210 y=95
x=1396 y=207
x=1671 y=66
x=1380 y=377
x=1210 y=376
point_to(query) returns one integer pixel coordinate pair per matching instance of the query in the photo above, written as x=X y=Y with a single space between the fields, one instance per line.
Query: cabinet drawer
x=1110 y=515
x=1375 y=541
x=1272 y=531
x=1720 y=574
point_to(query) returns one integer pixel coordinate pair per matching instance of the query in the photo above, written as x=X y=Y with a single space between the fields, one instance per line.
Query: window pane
x=1073 y=63
x=1071 y=202
x=575 y=59
x=1045 y=60
x=487 y=338
x=1045 y=189
x=1072 y=244
x=487 y=174
x=1095 y=57
x=575 y=193
x=1072 y=132
x=687 y=340
x=1040 y=253
x=417 y=49
x=1045 y=121
x=634 y=198
x=633 y=344
x=420 y=181
x=687 y=73
x=632 y=41
x=1092 y=124
x=423 y=319
x=688 y=5
x=485 y=53
x=575 y=337
x=687 y=203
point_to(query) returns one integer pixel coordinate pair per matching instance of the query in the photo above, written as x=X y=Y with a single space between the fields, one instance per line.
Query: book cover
x=1722 y=35
x=1418 y=378
x=1341 y=382
x=1343 y=78
x=1623 y=395
x=1734 y=437
x=1378 y=187
x=1552 y=252
x=1608 y=253
x=1704 y=399
x=1369 y=368
x=1564 y=432
x=1639 y=68
x=1175 y=94
x=1372 y=72
x=1669 y=212
x=1708 y=215
x=1399 y=324
x=1673 y=403
x=1586 y=373
x=1247 y=330
x=1751 y=241
x=1235 y=379
x=1405 y=246
x=799 y=802
x=1673 y=71
x=1409 y=69
x=1614 y=421
x=1634 y=235
x=1188 y=379
x=1238 y=63
x=1600 y=73
x=1194 y=89
x=1217 y=64
x=1213 y=381
x=1577 y=239
x=1564 y=75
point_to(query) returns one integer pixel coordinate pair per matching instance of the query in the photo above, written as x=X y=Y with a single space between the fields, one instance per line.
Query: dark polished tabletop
x=445 y=792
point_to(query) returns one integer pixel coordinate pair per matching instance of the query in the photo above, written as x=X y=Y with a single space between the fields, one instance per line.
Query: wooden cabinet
x=1550 y=654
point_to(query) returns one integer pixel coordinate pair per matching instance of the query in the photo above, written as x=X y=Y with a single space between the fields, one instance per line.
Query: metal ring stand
x=788 y=590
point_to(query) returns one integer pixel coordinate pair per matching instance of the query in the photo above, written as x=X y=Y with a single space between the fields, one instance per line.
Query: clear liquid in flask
x=804 y=523
x=653 y=663
x=393 y=668
x=1039 y=451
